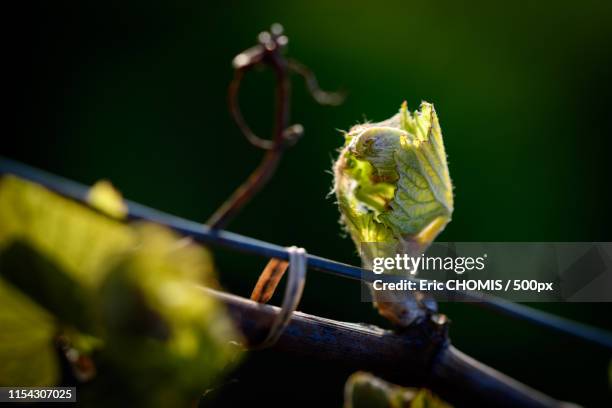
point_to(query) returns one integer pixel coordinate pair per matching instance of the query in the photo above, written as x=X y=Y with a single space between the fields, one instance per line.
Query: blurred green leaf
x=78 y=240
x=36 y=276
x=160 y=326
x=27 y=349
x=104 y=197
x=363 y=390
x=126 y=296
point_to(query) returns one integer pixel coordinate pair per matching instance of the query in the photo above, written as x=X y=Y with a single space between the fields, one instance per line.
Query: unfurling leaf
x=393 y=187
x=392 y=179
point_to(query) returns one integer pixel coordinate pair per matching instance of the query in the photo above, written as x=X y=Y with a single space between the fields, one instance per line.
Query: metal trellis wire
x=206 y=235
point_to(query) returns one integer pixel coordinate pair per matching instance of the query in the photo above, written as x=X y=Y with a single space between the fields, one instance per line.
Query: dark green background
x=136 y=93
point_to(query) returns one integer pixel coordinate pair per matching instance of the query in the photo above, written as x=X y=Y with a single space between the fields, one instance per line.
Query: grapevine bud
x=393 y=187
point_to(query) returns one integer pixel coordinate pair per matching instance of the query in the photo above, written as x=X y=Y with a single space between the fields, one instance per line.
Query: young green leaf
x=393 y=187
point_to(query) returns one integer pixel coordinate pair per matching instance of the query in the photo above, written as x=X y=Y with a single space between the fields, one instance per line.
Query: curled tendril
x=267 y=52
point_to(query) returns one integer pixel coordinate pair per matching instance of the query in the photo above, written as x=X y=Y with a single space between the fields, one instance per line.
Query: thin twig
x=206 y=235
